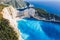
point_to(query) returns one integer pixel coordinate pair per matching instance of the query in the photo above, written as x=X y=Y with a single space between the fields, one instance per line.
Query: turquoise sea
x=33 y=29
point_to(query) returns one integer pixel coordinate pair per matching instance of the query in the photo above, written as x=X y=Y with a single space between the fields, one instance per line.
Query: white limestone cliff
x=10 y=14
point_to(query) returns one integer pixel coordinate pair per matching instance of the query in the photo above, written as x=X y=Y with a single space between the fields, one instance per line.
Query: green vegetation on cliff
x=2 y=6
x=6 y=31
x=48 y=16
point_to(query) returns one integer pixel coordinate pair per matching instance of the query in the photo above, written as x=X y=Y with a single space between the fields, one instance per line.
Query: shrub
x=6 y=31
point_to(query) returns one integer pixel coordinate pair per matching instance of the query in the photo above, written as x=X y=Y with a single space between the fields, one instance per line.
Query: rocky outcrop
x=9 y=13
x=42 y=14
x=14 y=3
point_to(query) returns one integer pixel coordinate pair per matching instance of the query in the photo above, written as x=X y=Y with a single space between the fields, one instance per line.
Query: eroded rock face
x=9 y=13
x=5 y=0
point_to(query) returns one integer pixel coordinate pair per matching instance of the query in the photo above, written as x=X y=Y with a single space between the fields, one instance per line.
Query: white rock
x=10 y=14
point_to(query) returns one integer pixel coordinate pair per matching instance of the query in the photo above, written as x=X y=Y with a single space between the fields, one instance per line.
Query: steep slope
x=8 y=25
x=47 y=16
x=7 y=31
x=14 y=3
x=44 y=15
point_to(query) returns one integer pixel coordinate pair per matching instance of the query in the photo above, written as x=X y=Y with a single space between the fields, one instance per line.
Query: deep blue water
x=49 y=6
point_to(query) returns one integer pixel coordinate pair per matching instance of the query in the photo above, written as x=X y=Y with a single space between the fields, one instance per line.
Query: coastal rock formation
x=14 y=3
x=9 y=13
x=41 y=14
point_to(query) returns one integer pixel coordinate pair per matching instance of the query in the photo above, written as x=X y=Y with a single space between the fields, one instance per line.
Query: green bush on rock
x=6 y=31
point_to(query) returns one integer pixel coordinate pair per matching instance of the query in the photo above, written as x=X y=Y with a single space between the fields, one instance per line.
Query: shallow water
x=33 y=29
